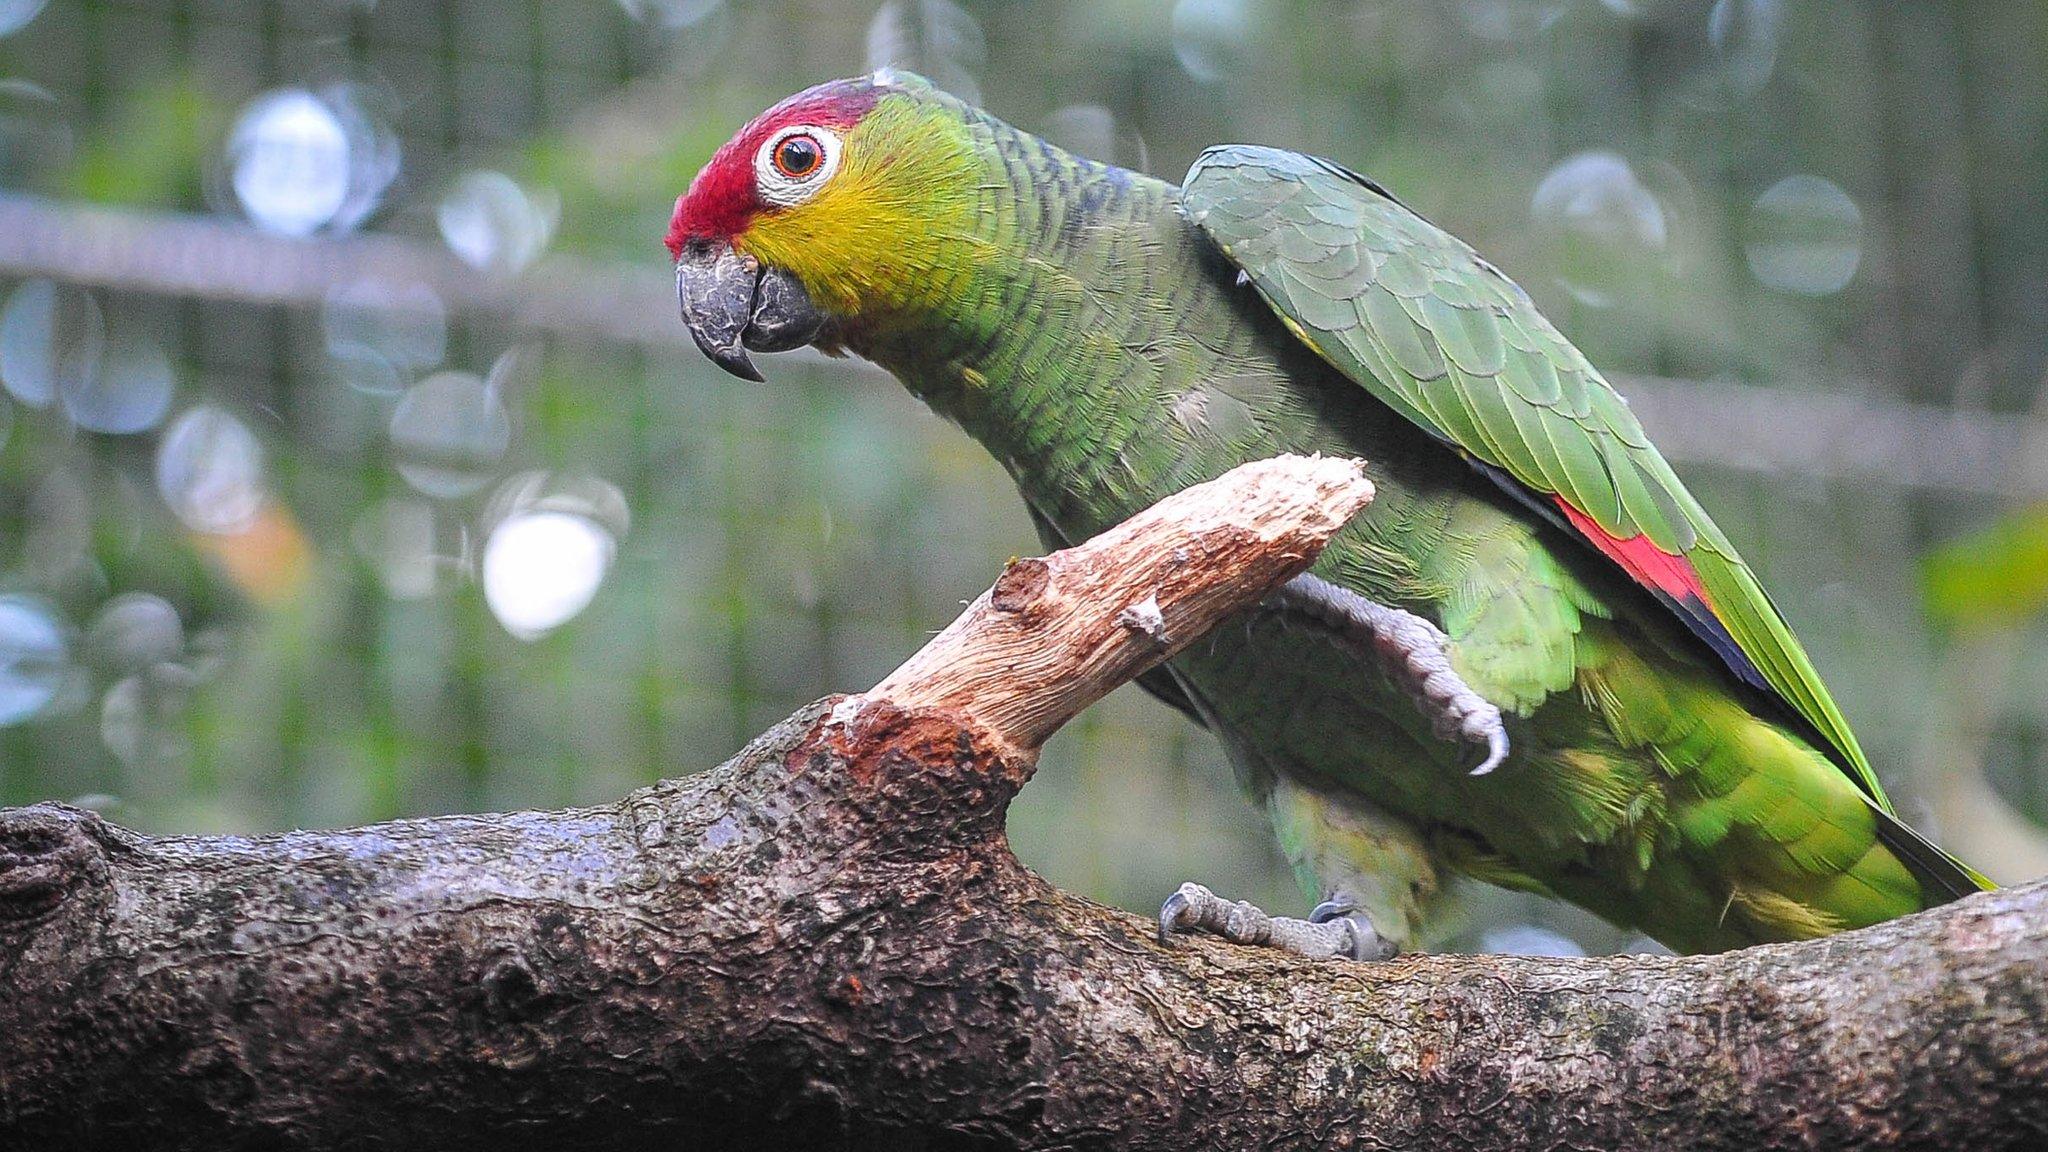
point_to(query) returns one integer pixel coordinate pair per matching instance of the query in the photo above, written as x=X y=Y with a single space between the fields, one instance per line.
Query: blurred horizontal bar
x=217 y=258
x=1829 y=434
x=1837 y=435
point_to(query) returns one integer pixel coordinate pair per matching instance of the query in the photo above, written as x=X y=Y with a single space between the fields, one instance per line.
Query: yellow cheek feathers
x=874 y=235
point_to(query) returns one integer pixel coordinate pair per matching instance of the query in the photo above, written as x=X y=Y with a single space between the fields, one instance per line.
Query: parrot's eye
x=792 y=165
x=798 y=156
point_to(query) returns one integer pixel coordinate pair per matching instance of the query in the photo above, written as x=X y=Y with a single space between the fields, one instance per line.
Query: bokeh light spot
x=34 y=657
x=493 y=224
x=300 y=161
x=210 y=471
x=1092 y=131
x=1604 y=228
x=542 y=568
x=135 y=630
x=1804 y=235
x=131 y=392
x=1213 y=39
x=450 y=431
x=1744 y=37
x=15 y=14
x=51 y=340
x=935 y=37
x=403 y=324
x=290 y=157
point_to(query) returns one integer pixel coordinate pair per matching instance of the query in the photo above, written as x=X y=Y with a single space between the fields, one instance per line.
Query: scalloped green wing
x=1429 y=328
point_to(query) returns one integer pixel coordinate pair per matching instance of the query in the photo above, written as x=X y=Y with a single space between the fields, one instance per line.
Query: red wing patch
x=1639 y=556
x=1674 y=581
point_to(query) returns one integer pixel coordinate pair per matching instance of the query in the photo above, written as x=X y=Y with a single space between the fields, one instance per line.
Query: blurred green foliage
x=1992 y=577
x=154 y=150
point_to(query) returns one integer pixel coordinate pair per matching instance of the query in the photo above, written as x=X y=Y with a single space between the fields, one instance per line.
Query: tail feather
x=1942 y=877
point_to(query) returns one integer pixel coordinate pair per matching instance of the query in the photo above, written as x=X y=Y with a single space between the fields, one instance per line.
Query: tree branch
x=827 y=942
x=1056 y=635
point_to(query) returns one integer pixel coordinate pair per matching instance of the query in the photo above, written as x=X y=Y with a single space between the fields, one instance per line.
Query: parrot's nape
x=1533 y=591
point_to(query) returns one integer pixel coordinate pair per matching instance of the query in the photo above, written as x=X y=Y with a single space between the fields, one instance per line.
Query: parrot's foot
x=1414 y=652
x=1334 y=929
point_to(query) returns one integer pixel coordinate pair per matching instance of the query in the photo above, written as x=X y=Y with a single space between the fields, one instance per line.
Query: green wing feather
x=1426 y=326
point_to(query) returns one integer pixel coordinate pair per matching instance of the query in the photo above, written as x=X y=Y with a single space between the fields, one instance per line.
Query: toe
x=1331 y=909
x=1364 y=942
x=1496 y=750
x=1180 y=910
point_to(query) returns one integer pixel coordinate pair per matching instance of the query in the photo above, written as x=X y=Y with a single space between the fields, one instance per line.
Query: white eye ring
x=784 y=190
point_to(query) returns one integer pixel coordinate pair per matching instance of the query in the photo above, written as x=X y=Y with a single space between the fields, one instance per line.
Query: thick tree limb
x=826 y=942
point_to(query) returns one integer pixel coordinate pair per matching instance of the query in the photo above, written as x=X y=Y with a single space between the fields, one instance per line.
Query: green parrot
x=1532 y=587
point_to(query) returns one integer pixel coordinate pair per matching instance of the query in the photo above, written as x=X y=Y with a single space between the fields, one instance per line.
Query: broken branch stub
x=1055 y=635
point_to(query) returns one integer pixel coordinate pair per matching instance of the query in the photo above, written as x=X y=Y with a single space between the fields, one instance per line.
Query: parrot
x=1531 y=586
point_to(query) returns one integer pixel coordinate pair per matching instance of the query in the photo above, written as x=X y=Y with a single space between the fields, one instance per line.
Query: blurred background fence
x=353 y=463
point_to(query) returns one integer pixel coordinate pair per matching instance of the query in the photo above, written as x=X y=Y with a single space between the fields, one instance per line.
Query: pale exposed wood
x=1055 y=635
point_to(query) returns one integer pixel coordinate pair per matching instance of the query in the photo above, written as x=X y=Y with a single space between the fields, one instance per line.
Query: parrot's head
x=822 y=218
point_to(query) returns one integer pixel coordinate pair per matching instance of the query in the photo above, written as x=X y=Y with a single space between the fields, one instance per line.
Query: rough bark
x=826 y=942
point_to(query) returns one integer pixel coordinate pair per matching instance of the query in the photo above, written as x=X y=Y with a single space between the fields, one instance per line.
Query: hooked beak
x=733 y=304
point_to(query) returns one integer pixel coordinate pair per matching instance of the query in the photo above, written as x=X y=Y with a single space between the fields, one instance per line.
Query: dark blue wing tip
x=1699 y=617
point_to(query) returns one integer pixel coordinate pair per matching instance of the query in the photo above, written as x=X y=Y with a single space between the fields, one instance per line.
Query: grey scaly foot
x=1335 y=929
x=1366 y=941
x=1414 y=652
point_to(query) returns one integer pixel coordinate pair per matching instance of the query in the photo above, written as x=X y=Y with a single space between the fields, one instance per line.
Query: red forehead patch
x=721 y=200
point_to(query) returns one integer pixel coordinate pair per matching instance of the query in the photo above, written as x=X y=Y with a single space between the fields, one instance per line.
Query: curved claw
x=1362 y=941
x=1330 y=910
x=1365 y=943
x=1413 y=651
x=1496 y=748
x=1177 y=912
